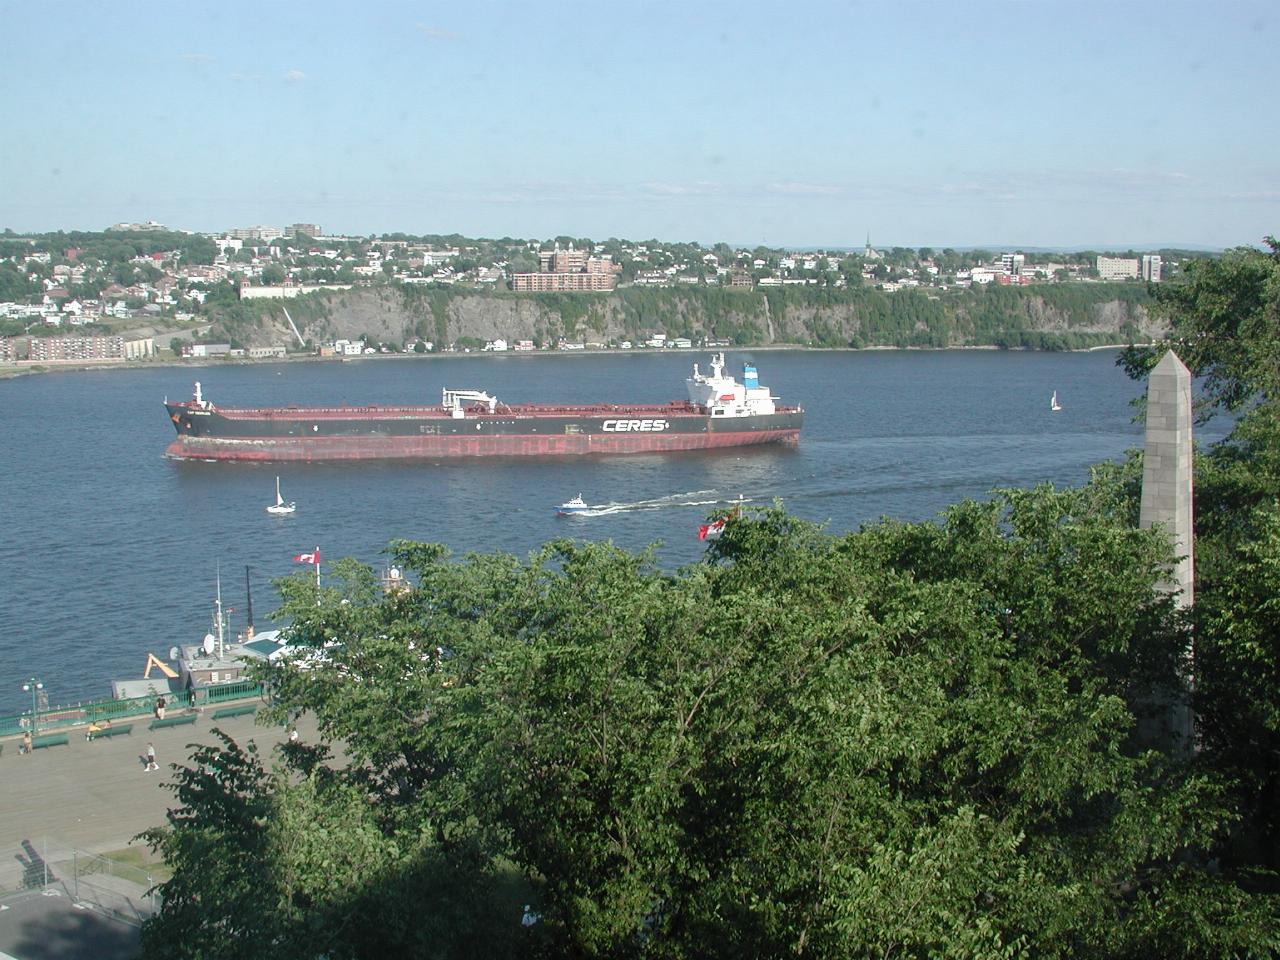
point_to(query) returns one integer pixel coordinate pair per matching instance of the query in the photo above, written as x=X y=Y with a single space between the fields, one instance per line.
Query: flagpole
x=317 y=576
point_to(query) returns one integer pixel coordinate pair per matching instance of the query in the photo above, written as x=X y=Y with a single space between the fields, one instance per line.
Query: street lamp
x=35 y=686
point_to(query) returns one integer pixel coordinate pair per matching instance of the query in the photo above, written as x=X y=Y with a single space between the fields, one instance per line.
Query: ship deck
x=503 y=412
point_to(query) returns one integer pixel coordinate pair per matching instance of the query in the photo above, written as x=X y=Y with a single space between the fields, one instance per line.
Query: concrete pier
x=97 y=796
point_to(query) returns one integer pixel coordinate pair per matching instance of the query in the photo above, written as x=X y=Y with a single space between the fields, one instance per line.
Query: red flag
x=308 y=557
x=709 y=531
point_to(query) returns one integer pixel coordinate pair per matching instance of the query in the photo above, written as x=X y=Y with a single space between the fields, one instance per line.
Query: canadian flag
x=709 y=531
x=308 y=557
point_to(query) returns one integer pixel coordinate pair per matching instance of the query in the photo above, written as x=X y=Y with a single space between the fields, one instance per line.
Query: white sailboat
x=280 y=508
x=1053 y=402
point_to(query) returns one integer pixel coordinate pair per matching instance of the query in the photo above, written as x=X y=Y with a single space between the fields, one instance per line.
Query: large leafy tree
x=917 y=739
x=1223 y=318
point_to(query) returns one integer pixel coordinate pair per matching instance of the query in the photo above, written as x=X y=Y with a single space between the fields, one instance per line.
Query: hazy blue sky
x=807 y=123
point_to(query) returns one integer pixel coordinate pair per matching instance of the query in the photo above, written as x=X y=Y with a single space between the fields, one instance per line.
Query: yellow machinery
x=154 y=661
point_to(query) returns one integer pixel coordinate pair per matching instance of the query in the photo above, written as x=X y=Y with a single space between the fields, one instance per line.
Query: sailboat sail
x=280 y=507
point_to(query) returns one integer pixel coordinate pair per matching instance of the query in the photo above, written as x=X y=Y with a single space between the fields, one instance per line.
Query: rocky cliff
x=1059 y=316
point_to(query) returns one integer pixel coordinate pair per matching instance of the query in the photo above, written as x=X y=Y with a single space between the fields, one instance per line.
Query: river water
x=108 y=551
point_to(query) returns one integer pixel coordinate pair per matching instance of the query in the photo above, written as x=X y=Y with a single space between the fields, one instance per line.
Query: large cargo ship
x=720 y=412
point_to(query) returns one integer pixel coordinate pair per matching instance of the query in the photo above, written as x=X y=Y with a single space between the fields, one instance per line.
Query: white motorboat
x=280 y=508
x=571 y=507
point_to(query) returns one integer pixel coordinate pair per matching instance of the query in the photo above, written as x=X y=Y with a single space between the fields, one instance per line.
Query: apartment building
x=1151 y=267
x=562 y=261
x=53 y=349
x=1117 y=268
x=546 y=282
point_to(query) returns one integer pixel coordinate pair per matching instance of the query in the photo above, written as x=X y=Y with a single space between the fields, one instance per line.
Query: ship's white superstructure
x=723 y=396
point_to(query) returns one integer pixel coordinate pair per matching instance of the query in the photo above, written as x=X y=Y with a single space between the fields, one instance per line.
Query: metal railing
x=222 y=692
x=79 y=714
x=123 y=890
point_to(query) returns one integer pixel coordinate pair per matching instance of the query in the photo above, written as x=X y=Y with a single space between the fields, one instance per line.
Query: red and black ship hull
x=206 y=432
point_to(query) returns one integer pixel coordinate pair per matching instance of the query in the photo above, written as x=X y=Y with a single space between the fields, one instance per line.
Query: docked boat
x=570 y=507
x=280 y=508
x=719 y=412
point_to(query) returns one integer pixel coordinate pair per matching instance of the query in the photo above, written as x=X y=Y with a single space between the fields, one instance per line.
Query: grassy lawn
x=142 y=858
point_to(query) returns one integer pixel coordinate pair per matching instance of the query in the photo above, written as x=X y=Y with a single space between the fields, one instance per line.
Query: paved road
x=34 y=926
x=96 y=796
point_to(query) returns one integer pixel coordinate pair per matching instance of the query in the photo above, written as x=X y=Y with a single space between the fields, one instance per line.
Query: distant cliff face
x=1053 y=317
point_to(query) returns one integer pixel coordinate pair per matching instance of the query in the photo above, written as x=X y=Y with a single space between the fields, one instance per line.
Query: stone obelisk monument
x=1166 y=469
x=1166 y=500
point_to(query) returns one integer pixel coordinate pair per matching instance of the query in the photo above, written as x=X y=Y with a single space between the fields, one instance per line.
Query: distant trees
x=15 y=285
x=524 y=262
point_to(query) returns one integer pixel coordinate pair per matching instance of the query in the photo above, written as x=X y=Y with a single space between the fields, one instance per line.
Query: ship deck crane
x=157 y=663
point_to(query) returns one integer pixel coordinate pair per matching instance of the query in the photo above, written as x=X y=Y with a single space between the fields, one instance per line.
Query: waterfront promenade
x=95 y=797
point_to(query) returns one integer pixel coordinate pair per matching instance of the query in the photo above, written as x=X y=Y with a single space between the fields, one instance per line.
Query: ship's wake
x=692 y=498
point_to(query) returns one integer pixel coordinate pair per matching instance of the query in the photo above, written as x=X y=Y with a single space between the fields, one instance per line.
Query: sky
x=1099 y=125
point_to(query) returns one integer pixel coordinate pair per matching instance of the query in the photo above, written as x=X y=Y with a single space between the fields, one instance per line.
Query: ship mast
x=248 y=630
x=217 y=614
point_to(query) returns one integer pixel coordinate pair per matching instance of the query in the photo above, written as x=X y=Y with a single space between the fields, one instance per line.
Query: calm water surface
x=108 y=551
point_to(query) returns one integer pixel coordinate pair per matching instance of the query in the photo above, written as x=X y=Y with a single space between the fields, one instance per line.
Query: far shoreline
x=11 y=371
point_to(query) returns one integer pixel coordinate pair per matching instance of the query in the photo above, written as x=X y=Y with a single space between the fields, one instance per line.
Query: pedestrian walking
x=160 y=705
x=26 y=742
x=151 y=757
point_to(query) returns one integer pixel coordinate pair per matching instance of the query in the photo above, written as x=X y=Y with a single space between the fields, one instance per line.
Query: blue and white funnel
x=749 y=376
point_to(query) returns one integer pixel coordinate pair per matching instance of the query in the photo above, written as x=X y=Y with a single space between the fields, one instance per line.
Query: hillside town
x=99 y=299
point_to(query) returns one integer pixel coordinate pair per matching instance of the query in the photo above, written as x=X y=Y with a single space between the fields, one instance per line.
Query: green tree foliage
x=915 y=739
x=15 y=285
x=1223 y=314
x=1224 y=320
x=297 y=859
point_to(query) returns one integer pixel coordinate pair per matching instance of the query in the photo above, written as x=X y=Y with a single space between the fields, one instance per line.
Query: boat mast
x=217 y=613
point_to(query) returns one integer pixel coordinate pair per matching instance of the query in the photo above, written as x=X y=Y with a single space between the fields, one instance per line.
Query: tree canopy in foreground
x=915 y=739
